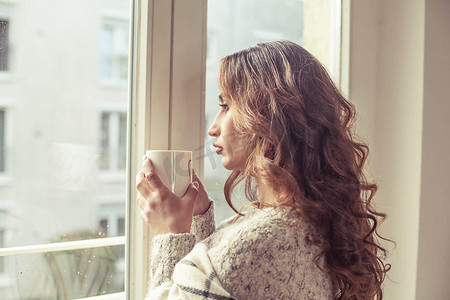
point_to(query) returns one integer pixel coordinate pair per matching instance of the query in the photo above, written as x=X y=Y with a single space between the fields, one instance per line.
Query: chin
x=226 y=164
x=232 y=166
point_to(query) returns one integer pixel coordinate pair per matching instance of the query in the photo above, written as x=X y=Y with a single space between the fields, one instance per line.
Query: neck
x=267 y=196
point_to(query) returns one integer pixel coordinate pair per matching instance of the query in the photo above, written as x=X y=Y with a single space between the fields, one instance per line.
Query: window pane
x=65 y=133
x=68 y=274
x=234 y=25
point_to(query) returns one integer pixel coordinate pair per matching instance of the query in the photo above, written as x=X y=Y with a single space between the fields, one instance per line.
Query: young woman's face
x=227 y=143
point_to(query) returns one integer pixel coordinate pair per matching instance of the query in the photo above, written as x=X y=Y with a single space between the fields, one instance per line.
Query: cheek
x=228 y=127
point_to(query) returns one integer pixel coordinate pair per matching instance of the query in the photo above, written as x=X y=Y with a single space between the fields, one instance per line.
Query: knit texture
x=203 y=225
x=261 y=255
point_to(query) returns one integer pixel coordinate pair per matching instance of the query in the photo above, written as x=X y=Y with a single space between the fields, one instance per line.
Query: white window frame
x=168 y=59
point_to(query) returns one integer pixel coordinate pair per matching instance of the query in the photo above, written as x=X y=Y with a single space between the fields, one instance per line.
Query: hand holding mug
x=164 y=211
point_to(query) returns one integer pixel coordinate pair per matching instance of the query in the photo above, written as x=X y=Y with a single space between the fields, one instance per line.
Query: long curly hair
x=298 y=126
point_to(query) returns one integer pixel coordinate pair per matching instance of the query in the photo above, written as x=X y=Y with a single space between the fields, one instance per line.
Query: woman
x=309 y=232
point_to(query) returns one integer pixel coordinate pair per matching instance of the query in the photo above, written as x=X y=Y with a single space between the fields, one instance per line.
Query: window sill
x=115 y=296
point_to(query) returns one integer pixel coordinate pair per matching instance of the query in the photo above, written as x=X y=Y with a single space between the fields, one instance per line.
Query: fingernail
x=195 y=185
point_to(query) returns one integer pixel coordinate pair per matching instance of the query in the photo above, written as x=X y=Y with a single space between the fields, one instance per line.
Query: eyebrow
x=220 y=98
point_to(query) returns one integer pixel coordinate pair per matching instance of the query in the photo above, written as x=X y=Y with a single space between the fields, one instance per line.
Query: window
x=111 y=220
x=4 y=44
x=111 y=216
x=113 y=141
x=6 y=136
x=114 y=50
x=61 y=131
x=235 y=25
x=2 y=140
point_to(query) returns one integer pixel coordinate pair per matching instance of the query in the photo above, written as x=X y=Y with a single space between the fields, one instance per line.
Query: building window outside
x=2 y=140
x=111 y=220
x=113 y=141
x=114 y=50
x=5 y=141
x=4 y=44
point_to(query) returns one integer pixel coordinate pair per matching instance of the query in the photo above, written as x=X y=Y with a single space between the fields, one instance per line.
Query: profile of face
x=227 y=142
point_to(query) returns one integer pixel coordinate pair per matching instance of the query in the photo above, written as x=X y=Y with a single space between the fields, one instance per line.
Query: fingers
x=152 y=177
x=145 y=208
x=142 y=184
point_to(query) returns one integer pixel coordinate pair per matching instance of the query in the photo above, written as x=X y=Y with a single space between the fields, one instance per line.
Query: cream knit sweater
x=259 y=256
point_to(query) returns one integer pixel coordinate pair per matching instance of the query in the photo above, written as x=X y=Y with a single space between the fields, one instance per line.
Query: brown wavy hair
x=298 y=126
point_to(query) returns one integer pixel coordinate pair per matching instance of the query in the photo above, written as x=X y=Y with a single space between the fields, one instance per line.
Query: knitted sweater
x=261 y=255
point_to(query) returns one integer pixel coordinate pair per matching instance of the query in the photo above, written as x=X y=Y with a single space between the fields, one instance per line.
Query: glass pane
x=68 y=274
x=62 y=139
x=234 y=25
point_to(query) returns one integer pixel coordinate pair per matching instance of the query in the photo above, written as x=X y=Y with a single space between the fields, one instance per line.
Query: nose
x=214 y=129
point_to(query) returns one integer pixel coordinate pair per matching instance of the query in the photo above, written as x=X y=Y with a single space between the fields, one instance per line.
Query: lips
x=218 y=148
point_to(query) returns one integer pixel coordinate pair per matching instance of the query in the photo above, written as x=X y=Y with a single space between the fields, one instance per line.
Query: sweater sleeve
x=167 y=251
x=204 y=225
x=193 y=279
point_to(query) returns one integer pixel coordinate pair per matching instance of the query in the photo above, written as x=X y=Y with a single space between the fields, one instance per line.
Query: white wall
x=433 y=268
x=399 y=66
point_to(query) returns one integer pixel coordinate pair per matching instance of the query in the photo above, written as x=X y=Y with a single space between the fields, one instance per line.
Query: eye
x=224 y=106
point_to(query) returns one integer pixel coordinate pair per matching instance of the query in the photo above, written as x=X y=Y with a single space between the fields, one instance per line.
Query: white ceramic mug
x=174 y=167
